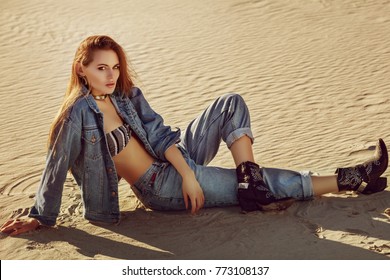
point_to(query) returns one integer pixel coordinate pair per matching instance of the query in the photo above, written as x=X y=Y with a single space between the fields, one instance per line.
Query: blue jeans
x=227 y=119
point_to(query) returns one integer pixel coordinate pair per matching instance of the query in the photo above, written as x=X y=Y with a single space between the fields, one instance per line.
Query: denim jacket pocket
x=93 y=138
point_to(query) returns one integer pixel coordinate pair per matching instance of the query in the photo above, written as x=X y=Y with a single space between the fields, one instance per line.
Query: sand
x=315 y=75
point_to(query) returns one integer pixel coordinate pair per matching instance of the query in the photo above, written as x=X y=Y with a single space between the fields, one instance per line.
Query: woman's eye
x=102 y=68
x=116 y=67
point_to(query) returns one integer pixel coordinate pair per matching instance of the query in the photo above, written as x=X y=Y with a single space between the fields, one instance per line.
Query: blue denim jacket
x=81 y=146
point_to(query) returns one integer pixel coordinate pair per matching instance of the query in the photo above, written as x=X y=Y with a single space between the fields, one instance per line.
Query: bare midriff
x=133 y=161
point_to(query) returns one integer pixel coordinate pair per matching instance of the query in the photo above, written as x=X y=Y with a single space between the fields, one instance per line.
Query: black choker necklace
x=100 y=97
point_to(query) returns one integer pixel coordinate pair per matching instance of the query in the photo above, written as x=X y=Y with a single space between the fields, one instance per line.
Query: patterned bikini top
x=118 y=139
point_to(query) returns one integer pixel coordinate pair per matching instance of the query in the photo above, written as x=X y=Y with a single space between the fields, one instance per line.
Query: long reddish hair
x=84 y=56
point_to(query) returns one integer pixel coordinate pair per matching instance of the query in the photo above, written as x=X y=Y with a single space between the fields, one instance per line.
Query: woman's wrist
x=175 y=157
x=187 y=174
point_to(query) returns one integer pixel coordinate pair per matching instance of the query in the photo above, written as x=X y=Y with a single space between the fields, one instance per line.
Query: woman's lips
x=110 y=85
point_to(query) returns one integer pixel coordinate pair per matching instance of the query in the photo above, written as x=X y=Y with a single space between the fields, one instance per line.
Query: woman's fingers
x=202 y=200
x=16 y=226
x=195 y=196
x=185 y=196
x=20 y=230
x=6 y=224
x=10 y=226
x=197 y=203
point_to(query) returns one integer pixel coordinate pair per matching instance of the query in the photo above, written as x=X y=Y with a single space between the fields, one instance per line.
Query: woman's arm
x=61 y=156
x=160 y=136
x=162 y=139
x=191 y=188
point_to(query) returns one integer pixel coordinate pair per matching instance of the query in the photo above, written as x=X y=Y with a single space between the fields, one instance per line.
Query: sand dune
x=315 y=75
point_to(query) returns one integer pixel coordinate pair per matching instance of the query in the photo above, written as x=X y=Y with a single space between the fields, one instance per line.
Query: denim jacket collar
x=92 y=102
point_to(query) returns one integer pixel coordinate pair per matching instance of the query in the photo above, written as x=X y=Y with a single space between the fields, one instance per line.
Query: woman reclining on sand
x=106 y=130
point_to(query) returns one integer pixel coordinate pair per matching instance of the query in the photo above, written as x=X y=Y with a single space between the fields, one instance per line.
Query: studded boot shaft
x=253 y=194
x=366 y=177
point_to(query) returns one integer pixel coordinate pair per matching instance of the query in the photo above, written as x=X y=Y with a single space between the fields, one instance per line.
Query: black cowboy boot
x=365 y=177
x=253 y=194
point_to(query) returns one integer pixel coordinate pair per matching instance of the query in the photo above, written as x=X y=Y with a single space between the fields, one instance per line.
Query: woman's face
x=103 y=72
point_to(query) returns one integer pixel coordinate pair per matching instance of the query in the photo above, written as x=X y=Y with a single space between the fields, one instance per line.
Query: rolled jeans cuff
x=237 y=134
x=307 y=184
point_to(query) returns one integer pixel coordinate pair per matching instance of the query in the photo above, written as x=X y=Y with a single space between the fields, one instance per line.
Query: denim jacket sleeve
x=60 y=158
x=160 y=136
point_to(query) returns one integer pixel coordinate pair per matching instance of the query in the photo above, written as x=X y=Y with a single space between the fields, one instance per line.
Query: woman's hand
x=190 y=187
x=17 y=226
x=193 y=191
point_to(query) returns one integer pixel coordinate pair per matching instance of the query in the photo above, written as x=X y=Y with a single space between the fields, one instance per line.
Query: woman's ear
x=79 y=70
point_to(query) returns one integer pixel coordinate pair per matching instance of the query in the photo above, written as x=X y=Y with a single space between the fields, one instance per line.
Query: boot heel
x=281 y=204
x=379 y=185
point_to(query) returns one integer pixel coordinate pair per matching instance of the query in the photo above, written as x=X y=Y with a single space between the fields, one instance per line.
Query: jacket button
x=110 y=170
x=113 y=194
